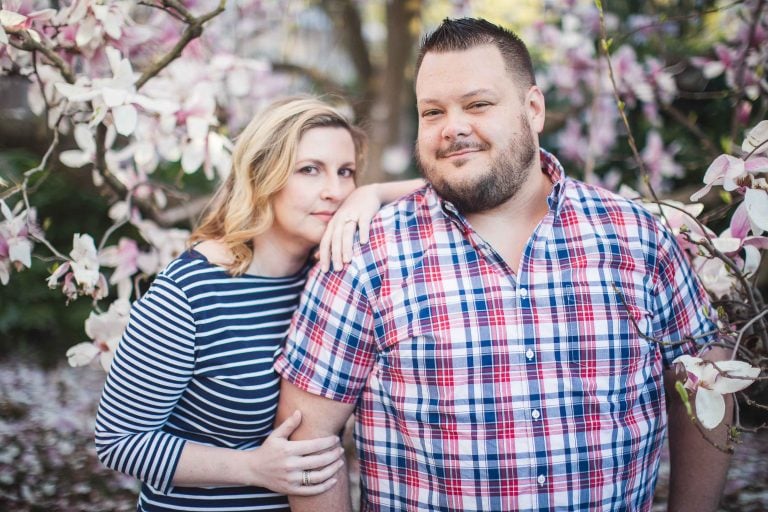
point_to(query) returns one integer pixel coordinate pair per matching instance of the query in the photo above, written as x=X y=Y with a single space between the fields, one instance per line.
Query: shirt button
x=541 y=479
x=529 y=354
x=535 y=414
x=523 y=292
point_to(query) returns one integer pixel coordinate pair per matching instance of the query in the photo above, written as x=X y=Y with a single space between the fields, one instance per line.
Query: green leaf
x=680 y=387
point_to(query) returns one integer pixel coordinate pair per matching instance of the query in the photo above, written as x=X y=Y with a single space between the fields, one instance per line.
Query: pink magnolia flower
x=123 y=257
x=660 y=161
x=15 y=243
x=728 y=171
x=710 y=381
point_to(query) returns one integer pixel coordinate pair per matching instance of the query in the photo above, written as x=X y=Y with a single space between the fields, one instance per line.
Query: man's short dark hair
x=465 y=33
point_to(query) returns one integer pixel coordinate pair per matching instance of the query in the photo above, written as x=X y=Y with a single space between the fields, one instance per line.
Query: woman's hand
x=355 y=213
x=301 y=468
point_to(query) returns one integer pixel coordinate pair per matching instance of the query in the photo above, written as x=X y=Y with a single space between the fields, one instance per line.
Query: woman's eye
x=346 y=172
x=309 y=169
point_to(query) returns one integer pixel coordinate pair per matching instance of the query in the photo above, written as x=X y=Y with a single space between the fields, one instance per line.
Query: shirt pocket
x=610 y=359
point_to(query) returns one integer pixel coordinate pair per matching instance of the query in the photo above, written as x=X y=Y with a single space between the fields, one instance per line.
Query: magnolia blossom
x=105 y=330
x=735 y=174
x=116 y=95
x=711 y=380
x=757 y=139
x=15 y=243
x=81 y=274
x=12 y=21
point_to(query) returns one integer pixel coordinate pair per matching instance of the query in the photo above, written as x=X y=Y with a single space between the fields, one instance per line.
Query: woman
x=190 y=399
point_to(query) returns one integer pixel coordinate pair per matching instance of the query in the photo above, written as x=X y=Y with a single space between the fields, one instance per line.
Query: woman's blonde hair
x=262 y=161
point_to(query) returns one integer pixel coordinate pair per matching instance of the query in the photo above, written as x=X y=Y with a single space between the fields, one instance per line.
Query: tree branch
x=193 y=31
x=29 y=44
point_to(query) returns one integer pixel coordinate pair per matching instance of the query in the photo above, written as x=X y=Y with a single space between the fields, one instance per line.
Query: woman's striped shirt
x=195 y=364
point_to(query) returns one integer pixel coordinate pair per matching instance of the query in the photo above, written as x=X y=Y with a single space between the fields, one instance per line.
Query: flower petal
x=710 y=407
x=82 y=353
x=745 y=373
x=757 y=207
x=126 y=118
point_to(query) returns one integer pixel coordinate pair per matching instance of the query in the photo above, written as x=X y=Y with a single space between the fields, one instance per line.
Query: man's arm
x=698 y=470
x=320 y=417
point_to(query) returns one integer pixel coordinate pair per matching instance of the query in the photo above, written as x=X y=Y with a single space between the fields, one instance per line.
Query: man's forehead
x=461 y=73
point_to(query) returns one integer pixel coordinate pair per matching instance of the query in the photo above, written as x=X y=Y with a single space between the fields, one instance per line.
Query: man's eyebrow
x=470 y=94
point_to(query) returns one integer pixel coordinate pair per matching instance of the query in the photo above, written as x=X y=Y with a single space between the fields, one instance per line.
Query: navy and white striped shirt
x=196 y=364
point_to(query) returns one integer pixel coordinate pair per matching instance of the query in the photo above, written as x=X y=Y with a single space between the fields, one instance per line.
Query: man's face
x=476 y=144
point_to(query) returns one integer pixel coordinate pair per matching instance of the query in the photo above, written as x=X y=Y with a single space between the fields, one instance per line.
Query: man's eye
x=430 y=113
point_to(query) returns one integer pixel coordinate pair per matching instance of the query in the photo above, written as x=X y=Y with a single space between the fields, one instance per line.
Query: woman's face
x=324 y=175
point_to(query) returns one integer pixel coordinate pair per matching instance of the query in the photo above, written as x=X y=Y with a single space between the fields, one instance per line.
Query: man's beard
x=504 y=178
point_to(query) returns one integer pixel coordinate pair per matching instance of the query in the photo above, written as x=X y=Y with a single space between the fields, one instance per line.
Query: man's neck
x=509 y=226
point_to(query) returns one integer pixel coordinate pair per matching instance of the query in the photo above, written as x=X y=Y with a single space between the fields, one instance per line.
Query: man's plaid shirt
x=481 y=387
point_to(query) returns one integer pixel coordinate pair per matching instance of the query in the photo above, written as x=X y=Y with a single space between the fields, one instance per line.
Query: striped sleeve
x=151 y=369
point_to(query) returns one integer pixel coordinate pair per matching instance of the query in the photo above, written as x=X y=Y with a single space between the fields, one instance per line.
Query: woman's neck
x=273 y=259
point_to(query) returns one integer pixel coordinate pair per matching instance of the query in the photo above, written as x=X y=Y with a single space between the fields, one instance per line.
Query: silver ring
x=305 y=481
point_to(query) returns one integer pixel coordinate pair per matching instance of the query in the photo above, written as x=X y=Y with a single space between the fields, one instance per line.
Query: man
x=495 y=336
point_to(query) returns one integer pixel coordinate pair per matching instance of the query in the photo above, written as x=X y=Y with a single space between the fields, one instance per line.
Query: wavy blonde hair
x=262 y=161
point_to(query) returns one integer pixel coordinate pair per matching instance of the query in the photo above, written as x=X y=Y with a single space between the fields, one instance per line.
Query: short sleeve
x=151 y=369
x=682 y=307
x=330 y=348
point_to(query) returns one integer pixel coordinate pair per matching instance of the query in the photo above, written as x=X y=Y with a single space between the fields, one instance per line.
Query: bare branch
x=193 y=31
x=29 y=44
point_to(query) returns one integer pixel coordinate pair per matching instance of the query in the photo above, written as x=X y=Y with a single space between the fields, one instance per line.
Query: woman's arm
x=355 y=213
x=278 y=464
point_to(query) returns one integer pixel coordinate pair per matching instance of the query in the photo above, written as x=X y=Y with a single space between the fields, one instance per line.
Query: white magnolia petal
x=76 y=92
x=125 y=118
x=192 y=157
x=756 y=137
x=726 y=244
x=11 y=19
x=197 y=128
x=757 y=207
x=112 y=24
x=20 y=249
x=85 y=31
x=3 y=40
x=74 y=158
x=114 y=96
x=82 y=353
x=710 y=407
x=752 y=258
x=84 y=138
x=114 y=57
x=106 y=359
x=745 y=372
x=5 y=272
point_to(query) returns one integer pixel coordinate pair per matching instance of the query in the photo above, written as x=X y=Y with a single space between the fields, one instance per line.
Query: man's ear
x=535 y=108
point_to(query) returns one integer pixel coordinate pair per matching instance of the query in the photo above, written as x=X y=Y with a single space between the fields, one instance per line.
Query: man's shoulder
x=601 y=204
x=408 y=212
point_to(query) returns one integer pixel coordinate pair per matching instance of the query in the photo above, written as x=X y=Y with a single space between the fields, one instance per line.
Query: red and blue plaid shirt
x=481 y=387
